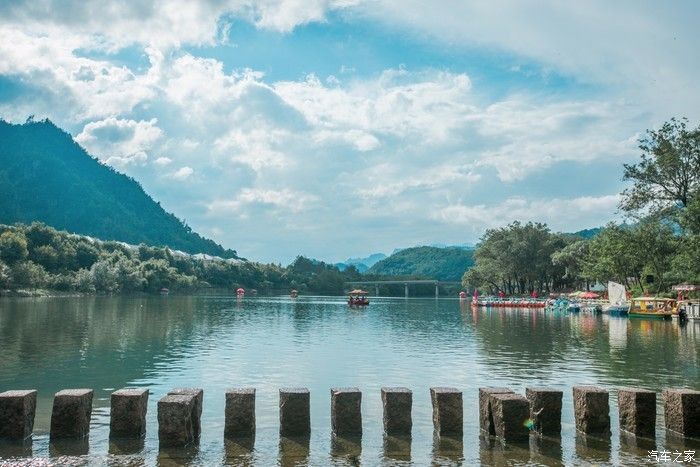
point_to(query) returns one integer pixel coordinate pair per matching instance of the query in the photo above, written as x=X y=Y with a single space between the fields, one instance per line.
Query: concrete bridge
x=405 y=283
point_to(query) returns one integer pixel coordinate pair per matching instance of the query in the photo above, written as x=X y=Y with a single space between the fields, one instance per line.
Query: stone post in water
x=637 y=409
x=485 y=414
x=346 y=411
x=198 y=395
x=447 y=411
x=545 y=410
x=682 y=411
x=175 y=420
x=127 y=413
x=70 y=417
x=17 y=409
x=295 y=412
x=240 y=413
x=592 y=410
x=510 y=414
x=397 y=404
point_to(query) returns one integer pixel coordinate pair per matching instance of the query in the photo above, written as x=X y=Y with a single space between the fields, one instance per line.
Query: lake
x=217 y=342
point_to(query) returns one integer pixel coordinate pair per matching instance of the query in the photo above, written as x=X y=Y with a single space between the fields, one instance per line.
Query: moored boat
x=617 y=300
x=357 y=297
x=652 y=307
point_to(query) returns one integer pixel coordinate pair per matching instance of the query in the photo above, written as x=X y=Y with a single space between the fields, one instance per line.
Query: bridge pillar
x=437 y=290
x=376 y=289
x=405 y=289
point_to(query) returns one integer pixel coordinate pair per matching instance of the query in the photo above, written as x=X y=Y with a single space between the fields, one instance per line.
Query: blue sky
x=338 y=128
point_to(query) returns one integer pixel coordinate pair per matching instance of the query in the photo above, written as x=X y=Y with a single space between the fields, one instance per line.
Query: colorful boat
x=652 y=307
x=358 y=297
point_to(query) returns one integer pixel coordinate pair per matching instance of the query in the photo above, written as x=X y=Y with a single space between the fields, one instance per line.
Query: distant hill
x=448 y=264
x=588 y=233
x=46 y=176
x=361 y=264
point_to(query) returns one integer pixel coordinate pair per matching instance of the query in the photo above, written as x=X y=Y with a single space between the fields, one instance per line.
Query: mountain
x=588 y=233
x=361 y=264
x=448 y=264
x=46 y=176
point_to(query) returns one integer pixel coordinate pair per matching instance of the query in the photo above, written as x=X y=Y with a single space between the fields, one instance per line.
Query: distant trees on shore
x=659 y=246
x=38 y=256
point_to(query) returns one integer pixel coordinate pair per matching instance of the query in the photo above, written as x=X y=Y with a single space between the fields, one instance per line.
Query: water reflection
x=69 y=447
x=218 y=342
x=593 y=449
x=9 y=449
x=294 y=451
x=347 y=448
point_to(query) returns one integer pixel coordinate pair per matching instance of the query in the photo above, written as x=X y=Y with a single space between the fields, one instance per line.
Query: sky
x=340 y=128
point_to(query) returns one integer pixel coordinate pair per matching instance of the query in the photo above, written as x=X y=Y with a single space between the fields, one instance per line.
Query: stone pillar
x=397 y=404
x=485 y=415
x=437 y=290
x=682 y=411
x=127 y=413
x=175 y=420
x=17 y=409
x=447 y=410
x=70 y=417
x=637 y=409
x=405 y=290
x=295 y=412
x=198 y=395
x=545 y=410
x=346 y=411
x=240 y=413
x=591 y=410
x=510 y=415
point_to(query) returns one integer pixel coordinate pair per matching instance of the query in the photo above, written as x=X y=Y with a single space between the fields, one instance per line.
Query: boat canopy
x=358 y=292
x=685 y=287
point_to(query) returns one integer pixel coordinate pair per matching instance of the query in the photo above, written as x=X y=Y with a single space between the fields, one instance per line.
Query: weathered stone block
x=485 y=416
x=545 y=410
x=17 y=409
x=175 y=420
x=397 y=404
x=447 y=410
x=682 y=411
x=346 y=411
x=70 y=417
x=240 y=413
x=127 y=413
x=197 y=409
x=510 y=414
x=295 y=413
x=592 y=410
x=637 y=409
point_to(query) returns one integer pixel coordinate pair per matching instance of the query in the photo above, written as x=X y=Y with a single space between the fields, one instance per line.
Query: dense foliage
x=662 y=247
x=447 y=264
x=45 y=176
x=38 y=256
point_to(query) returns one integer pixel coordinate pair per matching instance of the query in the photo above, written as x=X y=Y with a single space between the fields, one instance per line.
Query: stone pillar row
x=503 y=414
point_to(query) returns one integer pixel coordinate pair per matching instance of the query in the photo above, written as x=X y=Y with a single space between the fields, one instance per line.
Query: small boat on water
x=617 y=300
x=357 y=297
x=164 y=291
x=652 y=307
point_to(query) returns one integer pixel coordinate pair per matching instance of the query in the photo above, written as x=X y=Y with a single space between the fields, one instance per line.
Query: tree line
x=657 y=245
x=38 y=256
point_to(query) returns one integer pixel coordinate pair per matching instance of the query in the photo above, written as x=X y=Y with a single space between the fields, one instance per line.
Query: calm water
x=217 y=342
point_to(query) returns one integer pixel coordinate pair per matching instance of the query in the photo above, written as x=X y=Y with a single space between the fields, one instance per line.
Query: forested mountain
x=431 y=262
x=46 y=176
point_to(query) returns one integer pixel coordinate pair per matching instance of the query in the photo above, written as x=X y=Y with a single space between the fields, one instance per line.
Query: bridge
x=405 y=283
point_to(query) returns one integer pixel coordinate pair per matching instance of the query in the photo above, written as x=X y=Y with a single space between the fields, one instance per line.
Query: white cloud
x=288 y=200
x=561 y=214
x=163 y=161
x=120 y=141
x=182 y=173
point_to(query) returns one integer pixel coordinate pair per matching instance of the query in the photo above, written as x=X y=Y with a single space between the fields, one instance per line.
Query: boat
x=617 y=300
x=294 y=293
x=357 y=297
x=240 y=292
x=652 y=307
x=164 y=291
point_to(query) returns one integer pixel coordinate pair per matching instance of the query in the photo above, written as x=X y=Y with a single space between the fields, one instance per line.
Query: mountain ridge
x=46 y=176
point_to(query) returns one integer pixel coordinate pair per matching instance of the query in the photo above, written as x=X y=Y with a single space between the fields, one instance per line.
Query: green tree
x=13 y=247
x=668 y=174
x=28 y=274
